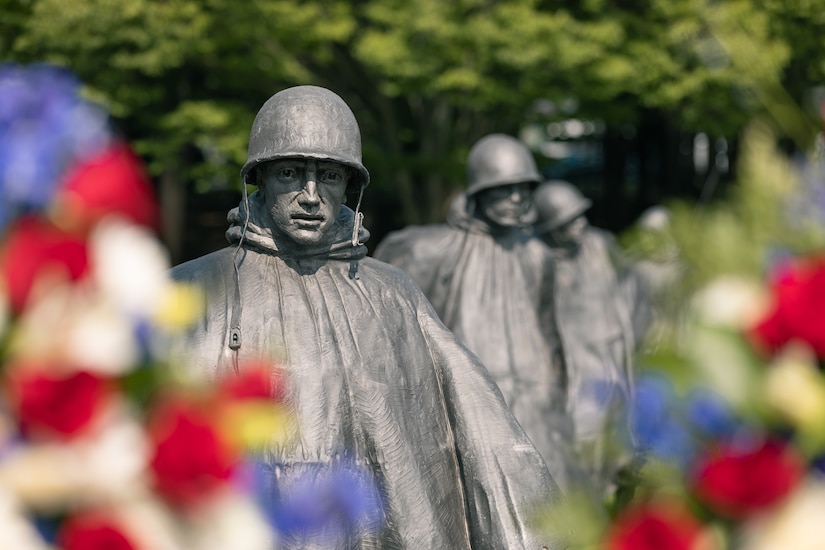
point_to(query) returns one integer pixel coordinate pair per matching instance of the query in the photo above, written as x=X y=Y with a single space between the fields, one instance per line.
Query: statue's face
x=570 y=233
x=303 y=197
x=504 y=205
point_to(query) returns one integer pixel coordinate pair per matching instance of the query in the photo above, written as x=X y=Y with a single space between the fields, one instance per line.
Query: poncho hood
x=258 y=234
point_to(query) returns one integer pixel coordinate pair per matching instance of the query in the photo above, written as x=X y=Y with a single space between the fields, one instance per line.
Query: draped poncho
x=485 y=282
x=373 y=375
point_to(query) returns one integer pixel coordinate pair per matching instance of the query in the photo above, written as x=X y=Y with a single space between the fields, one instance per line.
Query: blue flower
x=656 y=421
x=46 y=127
x=319 y=501
x=674 y=444
x=710 y=415
x=47 y=526
x=650 y=412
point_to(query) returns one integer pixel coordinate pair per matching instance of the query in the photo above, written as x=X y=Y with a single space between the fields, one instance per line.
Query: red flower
x=191 y=459
x=33 y=248
x=113 y=182
x=255 y=380
x=664 y=526
x=92 y=532
x=736 y=483
x=798 y=311
x=56 y=404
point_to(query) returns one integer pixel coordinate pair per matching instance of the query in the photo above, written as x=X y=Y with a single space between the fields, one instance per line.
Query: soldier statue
x=484 y=275
x=372 y=373
x=602 y=313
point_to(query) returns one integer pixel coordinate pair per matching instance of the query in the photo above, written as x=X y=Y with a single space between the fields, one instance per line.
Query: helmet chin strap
x=237 y=308
x=358 y=221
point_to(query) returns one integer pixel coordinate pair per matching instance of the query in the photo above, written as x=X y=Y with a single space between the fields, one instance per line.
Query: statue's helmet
x=558 y=202
x=497 y=160
x=306 y=122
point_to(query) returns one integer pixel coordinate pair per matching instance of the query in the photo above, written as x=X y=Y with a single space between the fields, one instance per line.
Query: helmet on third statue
x=558 y=202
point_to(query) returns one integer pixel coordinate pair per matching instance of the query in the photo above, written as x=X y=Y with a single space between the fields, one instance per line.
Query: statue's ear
x=255 y=179
x=471 y=205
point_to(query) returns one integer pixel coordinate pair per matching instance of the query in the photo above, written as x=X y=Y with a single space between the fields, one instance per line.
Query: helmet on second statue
x=499 y=159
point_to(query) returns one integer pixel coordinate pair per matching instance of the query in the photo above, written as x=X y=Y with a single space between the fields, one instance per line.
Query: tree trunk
x=172 y=196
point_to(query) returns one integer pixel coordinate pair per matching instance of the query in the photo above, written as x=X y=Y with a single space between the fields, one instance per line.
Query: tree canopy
x=426 y=78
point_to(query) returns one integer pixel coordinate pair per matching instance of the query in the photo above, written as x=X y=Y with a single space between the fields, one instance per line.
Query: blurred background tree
x=635 y=102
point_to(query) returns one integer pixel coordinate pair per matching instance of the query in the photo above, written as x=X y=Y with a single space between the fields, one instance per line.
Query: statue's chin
x=306 y=237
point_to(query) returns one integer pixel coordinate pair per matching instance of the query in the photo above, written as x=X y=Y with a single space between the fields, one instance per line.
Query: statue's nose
x=310 y=196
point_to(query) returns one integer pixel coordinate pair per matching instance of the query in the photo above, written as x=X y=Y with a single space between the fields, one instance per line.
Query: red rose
x=663 y=526
x=735 y=483
x=112 y=182
x=56 y=404
x=798 y=311
x=191 y=459
x=92 y=532
x=255 y=380
x=35 y=247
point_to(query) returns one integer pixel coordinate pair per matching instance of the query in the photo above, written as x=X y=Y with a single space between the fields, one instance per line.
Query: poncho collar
x=259 y=235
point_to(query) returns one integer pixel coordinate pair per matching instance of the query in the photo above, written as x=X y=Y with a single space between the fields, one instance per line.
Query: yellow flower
x=256 y=423
x=795 y=388
x=181 y=305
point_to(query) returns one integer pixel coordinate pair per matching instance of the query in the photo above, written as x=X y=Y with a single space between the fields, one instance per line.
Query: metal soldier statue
x=484 y=275
x=602 y=314
x=372 y=372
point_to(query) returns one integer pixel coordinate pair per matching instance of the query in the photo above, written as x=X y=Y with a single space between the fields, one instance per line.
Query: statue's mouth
x=308 y=220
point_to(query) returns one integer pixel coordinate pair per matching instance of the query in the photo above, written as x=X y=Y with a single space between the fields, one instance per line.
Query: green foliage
x=426 y=78
x=725 y=252
x=217 y=130
x=731 y=237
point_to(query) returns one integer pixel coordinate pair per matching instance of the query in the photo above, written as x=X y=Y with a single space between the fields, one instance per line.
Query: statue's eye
x=287 y=173
x=331 y=176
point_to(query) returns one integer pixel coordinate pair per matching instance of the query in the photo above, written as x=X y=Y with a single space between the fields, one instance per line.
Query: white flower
x=108 y=464
x=796 y=525
x=15 y=531
x=116 y=458
x=74 y=325
x=731 y=302
x=102 y=339
x=230 y=521
x=130 y=265
x=151 y=525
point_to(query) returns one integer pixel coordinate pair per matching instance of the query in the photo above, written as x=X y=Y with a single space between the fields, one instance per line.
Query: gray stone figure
x=373 y=375
x=602 y=314
x=657 y=257
x=483 y=274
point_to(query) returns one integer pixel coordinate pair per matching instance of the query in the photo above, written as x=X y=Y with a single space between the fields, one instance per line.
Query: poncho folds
x=602 y=312
x=485 y=283
x=373 y=374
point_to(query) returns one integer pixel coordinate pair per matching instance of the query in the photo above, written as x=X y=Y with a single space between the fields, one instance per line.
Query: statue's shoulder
x=204 y=267
x=416 y=240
